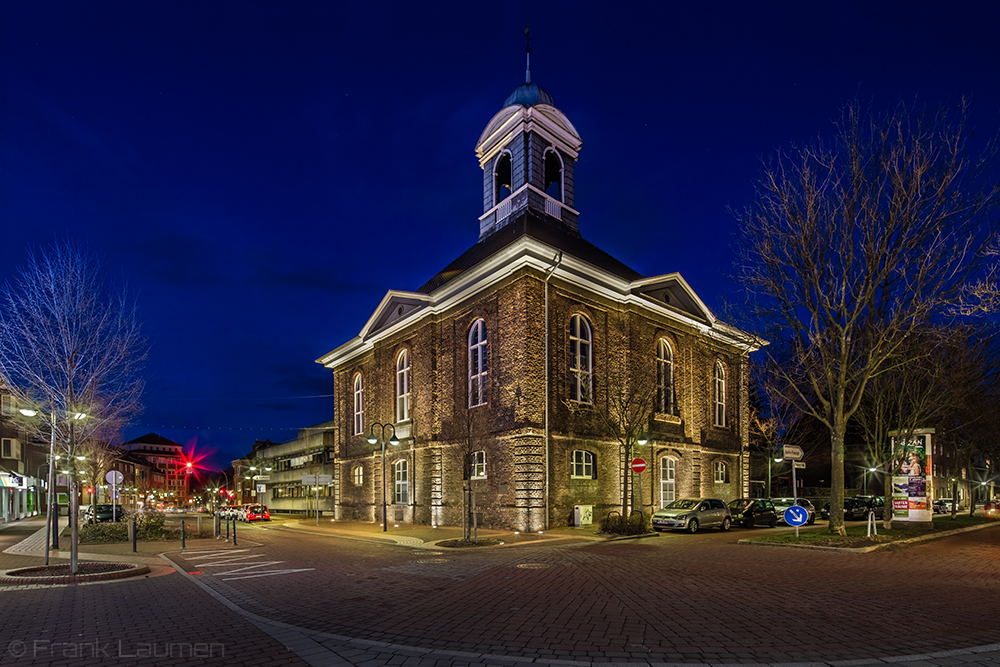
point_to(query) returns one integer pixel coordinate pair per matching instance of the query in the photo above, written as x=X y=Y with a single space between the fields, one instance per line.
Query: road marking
x=233 y=560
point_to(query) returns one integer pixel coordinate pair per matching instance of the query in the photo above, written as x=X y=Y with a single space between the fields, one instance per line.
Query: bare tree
x=851 y=245
x=71 y=350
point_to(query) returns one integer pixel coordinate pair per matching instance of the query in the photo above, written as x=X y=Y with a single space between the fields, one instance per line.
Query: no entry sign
x=638 y=465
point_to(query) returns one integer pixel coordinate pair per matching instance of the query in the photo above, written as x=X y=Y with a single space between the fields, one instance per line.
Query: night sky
x=261 y=173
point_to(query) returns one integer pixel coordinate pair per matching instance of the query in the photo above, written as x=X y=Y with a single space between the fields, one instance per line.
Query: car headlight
x=682 y=517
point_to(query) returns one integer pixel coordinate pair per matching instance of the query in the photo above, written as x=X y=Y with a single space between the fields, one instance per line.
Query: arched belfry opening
x=502 y=178
x=553 y=171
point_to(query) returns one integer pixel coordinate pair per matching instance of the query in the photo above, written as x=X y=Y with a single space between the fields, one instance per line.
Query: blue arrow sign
x=796 y=516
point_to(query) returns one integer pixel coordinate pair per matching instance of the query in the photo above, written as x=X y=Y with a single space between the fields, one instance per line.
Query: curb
x=874 y=547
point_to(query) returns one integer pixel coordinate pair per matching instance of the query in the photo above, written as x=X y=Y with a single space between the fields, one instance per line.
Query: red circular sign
x=638 y=465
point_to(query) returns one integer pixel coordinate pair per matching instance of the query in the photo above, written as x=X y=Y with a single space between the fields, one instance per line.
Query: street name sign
x=799 y=464
x=793 y=452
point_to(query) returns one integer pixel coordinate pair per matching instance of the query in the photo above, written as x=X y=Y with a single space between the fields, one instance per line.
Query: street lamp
x=373 y=439
x=866 y=479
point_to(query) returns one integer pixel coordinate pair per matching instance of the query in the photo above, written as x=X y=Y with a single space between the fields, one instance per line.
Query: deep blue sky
x=263 y=172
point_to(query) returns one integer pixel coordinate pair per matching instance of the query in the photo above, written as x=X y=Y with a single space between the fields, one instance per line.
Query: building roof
x=528 y=95
x=153 y=439
x=529 y=222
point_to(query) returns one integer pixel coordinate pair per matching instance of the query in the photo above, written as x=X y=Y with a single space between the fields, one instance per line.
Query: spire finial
x=527 y=38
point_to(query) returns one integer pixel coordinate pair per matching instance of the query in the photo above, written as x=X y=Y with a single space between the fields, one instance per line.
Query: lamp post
x=373 y=439
x=777 y=459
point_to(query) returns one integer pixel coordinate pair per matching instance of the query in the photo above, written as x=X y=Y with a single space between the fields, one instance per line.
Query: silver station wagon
x=690 y=514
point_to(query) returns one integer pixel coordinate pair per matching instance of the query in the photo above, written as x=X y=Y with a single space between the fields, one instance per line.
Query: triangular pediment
x=395 y=306
x=672 y=290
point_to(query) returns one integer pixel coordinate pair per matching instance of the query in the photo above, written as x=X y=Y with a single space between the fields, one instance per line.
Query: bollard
x=182 y=534
x=234 y=532
x=199 y=526
x=133 y=531
x=227 y=529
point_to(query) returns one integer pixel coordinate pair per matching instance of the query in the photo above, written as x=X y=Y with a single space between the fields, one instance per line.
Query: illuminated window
x=403 y=386
x=358 y=473
x=479 y=465
x=478 y=368
x=580 y=362
x=721 y=472
x=668 y=481
x=359 y=405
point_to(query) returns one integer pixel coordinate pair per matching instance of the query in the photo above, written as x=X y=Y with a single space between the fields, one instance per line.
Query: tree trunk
x=837 y=477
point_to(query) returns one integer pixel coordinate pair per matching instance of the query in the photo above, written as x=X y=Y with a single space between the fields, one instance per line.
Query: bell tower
x=528 y=154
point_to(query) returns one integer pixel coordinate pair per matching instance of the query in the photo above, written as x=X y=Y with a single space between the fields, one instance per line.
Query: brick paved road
x=302 y=598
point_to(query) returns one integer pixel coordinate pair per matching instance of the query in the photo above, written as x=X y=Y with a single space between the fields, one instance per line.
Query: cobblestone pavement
x=301 y=594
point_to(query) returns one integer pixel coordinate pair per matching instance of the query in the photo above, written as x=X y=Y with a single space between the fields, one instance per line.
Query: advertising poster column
x=911 y=488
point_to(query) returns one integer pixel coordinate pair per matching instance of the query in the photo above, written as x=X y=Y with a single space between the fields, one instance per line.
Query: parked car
x=873 y=504
x=854 y=510
x=750 y=512
x=943 y=505
x=102 y=513
x=257 y=513
x=690 y=514
x=782 y=504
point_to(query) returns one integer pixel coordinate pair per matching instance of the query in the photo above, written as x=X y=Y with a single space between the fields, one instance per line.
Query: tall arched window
x=478 y=368
x=403 y=386
x=478 y=461
x=401 y=472
x=359 y=405
x=580 y=360
x=553 y=169
x=668 y=481
x=502 y=178
x=719 y=397
x=664 y=377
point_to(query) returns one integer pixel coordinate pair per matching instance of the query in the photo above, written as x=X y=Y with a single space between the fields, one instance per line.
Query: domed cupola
x=528 y=154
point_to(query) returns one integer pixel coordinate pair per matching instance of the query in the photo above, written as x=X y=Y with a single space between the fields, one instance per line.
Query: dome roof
x=528 y=95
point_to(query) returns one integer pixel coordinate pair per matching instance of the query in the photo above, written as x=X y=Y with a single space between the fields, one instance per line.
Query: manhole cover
x=433 y=560
x=533 y=566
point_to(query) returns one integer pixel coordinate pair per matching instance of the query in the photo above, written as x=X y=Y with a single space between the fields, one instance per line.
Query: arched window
x=478 y=465
x=580 y=361
x=664 y=377
x=359 y=405
x=478 y=368
x=502 y=178
x=552 y=167
x=401 y=494
x=581 y=465
x=358 y=474
x=403 y=386
x=721 y=472
x=668 y=481
x=719 y=396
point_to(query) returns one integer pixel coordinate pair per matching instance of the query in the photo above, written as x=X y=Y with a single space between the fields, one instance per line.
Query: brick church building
x=498 y=375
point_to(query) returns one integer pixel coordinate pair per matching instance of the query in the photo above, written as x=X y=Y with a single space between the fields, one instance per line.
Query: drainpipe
x=558 y=260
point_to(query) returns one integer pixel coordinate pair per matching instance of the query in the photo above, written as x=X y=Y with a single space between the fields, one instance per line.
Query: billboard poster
x=911 y=491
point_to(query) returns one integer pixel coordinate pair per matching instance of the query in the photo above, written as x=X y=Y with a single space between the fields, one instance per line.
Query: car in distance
x=257 y=513
x=943 y=505
x=102 y=513
x=690 y=514
x=872 y=504
x=750 y=512
x=854 y=510
x=781 y=504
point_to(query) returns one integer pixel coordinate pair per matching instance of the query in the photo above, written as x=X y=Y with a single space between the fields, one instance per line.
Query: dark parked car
x=854 y=510
x=782 y=504
x=102 y=513
x=872 y=504
x=692 y=513
x=750 y=512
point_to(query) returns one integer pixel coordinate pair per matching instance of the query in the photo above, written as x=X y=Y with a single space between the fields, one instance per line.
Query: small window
x=478 y=366
x=719 y=398
x=502 y=178
x=479 y=465
x=401 y=495
x=7 y=452
x=7 y=404
x=359 y=405
x=403 y=386
x=582 y=465
x=358 y=474
x=580 y=360
x=721 y=472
